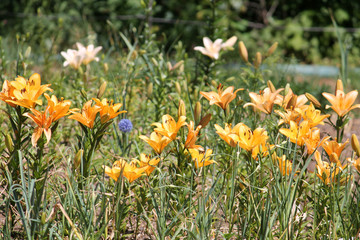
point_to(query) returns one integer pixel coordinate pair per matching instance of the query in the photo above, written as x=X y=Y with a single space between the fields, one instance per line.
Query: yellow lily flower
x=87 y=115
x=221 y=98
x=312 y=115
x=200 y=158
x=169 y=128
x=342 y=103
x=156 y=141
x=287 y=116
x=108 y=110
x=226 y=132
x=296 y=134
x=312 y=140
x=27 y=92
x=192 y=137
x=146 y=161
x=285 y=166
x=121 y=167
x=264 y=101
x=333 y=147
x=249 y=139
x=326 y=172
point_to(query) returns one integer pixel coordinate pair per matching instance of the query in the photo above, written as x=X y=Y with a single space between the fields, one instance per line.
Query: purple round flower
x=125 y=125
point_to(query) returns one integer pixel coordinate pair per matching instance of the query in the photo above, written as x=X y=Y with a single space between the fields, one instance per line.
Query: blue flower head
x=125 y=125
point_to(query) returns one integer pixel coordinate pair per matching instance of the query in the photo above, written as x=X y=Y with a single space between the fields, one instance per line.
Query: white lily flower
x=89 y=52
x=73 y=58
x=212 y=49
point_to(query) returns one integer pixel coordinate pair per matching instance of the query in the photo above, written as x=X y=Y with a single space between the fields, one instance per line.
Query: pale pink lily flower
x=212 y=49
x=89 y=52
x=73 y=58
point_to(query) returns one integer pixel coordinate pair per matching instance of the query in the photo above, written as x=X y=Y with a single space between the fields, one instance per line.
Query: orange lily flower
x=7 y=93
x=87 y=115
x=156 y=141
x=226 y=132
x=121 y=167
x=221 y=98
x=192 y=137
x=312 y=140
x=342 y=103
x=57 y=109
x=27 y=92
x=333 y=147
x=44 y=121
x=291 y=101
x=169 y=127
x=312 y=115
x=108 y=110
x=297 y=134
x=326 y=172
x=355 y=163
x=201 y=158
x=146 y=161
x=264 y=101
x=249 y=139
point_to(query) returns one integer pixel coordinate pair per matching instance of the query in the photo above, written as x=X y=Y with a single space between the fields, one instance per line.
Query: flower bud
x=106 y=68
x=243 y=51
x=258 y=60
x=355 y=144
x=313 y=100
x=271 y=86
x=168 y=64
x=149 y=90
x=43 y=218
x=155 y=62
x=214 y=84
x=339 y=86
x=197 y=112
x=83 y=93
x=178 y=88
x=205 y=120
x=27 y=52
x=78 y=157
x=272 y=49
x=101 y=90
x=9 y=143
x=287 y=89
x=181 y=109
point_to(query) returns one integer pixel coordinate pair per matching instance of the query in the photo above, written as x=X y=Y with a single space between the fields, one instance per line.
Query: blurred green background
x=303 y=28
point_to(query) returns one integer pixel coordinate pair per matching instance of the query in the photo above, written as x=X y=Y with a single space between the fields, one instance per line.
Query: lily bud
x=339 y=86
x=258 y=60
x=78 y=157
x=101 y=90
x=197 y=112
x=149 y=90
x=355 y=144
x=106 y=68
x=181 y=109
x=214 y=83
x=27 y=52
x=272 y=49
x=313 y=100
x=9 y=143
x=43 y=218
x=155 y=62
x=243 y=51
x=168 y=64
x=83 y=93
x=271 y=86
x=178 y=88
x=287 y=89
x=205 y=120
